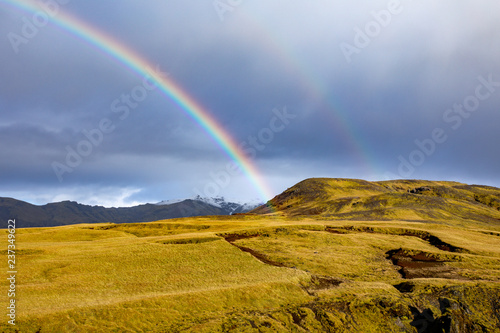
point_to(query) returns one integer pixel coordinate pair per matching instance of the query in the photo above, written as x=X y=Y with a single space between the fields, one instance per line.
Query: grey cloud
x=353 y=120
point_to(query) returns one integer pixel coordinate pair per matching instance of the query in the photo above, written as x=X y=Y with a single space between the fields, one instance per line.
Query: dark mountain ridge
x=70 y=212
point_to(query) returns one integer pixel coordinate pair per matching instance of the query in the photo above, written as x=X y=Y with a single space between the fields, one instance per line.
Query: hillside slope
x=411 y=200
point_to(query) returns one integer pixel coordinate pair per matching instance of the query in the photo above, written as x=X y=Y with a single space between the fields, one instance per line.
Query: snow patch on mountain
x=229 y=207
x=169 y=202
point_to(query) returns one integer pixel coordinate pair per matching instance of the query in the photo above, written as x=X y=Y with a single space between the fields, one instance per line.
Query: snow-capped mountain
x=228 y=207
x=169 y=202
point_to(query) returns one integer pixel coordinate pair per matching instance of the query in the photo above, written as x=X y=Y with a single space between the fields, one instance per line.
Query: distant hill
x=69 y=212
x=410 y=200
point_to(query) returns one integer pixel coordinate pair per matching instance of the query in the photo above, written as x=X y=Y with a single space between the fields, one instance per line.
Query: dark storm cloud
x=354 y=116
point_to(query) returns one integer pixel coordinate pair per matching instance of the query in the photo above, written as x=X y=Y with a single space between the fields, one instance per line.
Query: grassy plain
x=183 y=275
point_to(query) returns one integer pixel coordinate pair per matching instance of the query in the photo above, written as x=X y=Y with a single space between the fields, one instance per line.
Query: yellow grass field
x=251 y=274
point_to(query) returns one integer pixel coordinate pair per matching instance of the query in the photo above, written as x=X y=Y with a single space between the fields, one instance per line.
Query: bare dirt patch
x=421 y=265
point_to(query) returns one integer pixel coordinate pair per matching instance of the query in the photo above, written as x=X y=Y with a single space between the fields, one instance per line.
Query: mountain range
x=70 y=212
x=332 y=198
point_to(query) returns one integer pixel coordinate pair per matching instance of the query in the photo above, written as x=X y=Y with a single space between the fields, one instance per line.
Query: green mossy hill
x=415 y=200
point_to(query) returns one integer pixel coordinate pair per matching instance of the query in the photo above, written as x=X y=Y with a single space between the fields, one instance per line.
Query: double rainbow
x=138 y=64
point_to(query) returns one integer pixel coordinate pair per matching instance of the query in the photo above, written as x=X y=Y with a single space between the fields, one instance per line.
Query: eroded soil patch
x=231 y=238
x=260 y=256
x=405 y=287
x=421 y=265
x=183 y=241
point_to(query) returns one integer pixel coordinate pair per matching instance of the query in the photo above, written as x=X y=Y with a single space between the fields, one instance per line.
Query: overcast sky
x=362 y=89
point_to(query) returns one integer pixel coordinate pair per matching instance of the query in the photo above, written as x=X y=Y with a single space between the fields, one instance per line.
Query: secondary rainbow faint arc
x=171 y=89
x=311 y=85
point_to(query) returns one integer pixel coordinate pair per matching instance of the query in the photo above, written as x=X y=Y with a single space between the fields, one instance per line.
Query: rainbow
x=139 y=65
